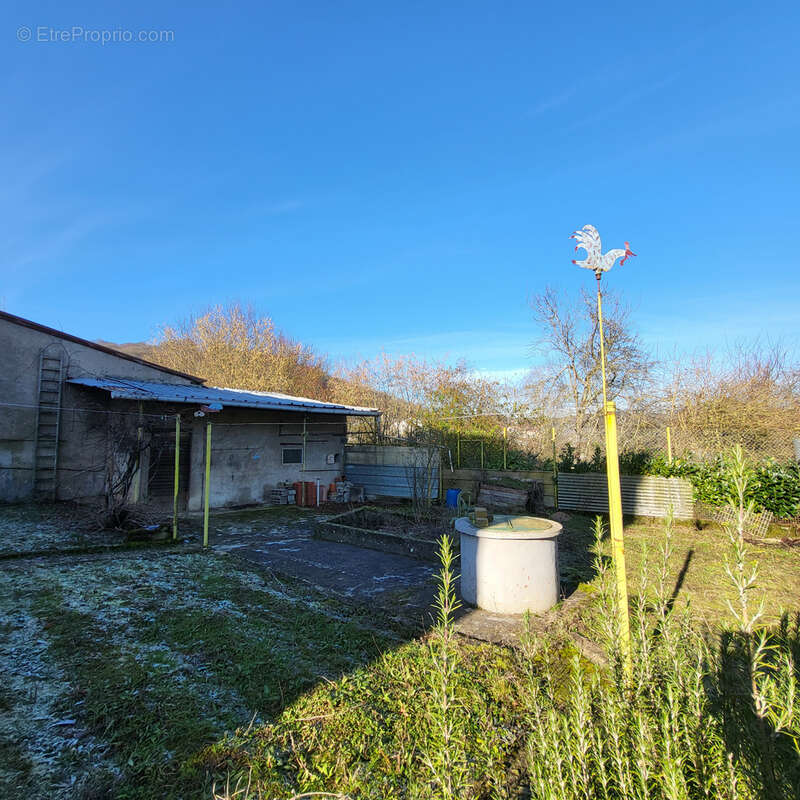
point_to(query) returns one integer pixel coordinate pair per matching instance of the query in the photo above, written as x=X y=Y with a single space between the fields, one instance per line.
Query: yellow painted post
x=555 y=468
x=207 y=484
x=305 y=437
x=602 y=340
x=441 y=477
x=615 y=524
x=615 y=503
x=669 y=445
x=481 y=453
x=505 y=448
x=458 y=451
x=176 y=481
x=137 y=478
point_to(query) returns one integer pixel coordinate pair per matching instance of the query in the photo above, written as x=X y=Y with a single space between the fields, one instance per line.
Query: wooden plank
x=469 y=480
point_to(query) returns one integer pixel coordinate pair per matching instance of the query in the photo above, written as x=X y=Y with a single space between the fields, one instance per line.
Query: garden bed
x=394 y=531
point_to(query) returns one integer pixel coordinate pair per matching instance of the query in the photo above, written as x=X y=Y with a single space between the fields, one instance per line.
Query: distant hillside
x=138 y=349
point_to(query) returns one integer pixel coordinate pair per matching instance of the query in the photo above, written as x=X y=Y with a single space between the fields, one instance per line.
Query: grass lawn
x=144 y=675
x=123 y=667
x=696 y=567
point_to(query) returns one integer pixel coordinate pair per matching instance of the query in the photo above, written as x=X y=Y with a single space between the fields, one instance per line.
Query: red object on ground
x=299 y=497
x=310 y=493
x=332 y=489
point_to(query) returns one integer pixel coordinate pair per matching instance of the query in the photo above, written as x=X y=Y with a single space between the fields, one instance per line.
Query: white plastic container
x=511 y=566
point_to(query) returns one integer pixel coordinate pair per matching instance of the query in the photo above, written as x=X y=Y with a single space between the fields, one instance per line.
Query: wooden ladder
x=48 y=417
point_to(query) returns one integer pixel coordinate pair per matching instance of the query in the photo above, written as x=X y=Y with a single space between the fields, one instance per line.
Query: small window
x=292 y=455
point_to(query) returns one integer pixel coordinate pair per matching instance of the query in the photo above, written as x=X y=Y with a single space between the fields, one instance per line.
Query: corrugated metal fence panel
x=387 y=480
x=642 y=495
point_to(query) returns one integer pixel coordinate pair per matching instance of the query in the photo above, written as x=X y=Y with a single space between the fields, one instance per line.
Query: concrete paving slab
x=397 y=586
x=400 y=587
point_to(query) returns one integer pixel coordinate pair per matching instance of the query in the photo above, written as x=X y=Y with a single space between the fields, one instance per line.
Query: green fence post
x=207 y=486
x=555 y=469
x=176 y=482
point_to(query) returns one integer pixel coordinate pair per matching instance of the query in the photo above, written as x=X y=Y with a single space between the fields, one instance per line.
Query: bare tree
x=235 y=346
x=416 y=393
x=747 y=395
x=421 y=465
x=570 y=381
x=124 y=453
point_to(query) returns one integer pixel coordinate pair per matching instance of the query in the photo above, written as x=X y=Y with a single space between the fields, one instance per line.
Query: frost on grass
x=44 y=753
x=27 y=528
x=46 y=748
x=124 y=665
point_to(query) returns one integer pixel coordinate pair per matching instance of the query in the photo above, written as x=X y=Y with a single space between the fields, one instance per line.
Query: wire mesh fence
x=580 y=446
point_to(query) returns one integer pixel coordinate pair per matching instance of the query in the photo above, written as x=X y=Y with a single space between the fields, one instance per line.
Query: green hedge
x=772 y=486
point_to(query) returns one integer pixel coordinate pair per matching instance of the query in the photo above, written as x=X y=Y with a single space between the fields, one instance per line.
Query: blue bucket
x=451 y=499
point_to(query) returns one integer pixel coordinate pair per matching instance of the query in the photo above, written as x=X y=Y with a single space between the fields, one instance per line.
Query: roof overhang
x=124 y=389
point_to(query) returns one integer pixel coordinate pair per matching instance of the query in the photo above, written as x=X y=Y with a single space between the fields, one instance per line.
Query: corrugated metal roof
x=124 y=389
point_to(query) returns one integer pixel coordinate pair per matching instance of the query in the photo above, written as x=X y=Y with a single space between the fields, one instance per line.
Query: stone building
x=79 y=420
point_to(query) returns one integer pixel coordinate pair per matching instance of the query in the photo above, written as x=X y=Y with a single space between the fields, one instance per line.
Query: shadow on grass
x=167 y=676
x=576 y=557
x=742 y=699
x=680 y=579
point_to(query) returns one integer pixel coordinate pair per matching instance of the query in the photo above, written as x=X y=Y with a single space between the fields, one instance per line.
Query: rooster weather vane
x=589 y=239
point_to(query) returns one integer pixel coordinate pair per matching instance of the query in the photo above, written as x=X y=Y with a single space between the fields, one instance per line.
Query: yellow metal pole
x=615 y=503
x=207 y=484
x=669 y=445
x=305 y=438
x=137 y=478
x=555 y=468
x=176 y=482
x=617 y=541
x=602 y=342
x=441 y=477
x=505 y=448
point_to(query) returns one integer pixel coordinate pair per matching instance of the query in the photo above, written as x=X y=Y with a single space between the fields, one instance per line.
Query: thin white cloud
x=555 y=101
x=281 y=207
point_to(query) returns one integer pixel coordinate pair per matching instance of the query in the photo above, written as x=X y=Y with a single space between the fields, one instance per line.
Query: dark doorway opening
x=162 y=467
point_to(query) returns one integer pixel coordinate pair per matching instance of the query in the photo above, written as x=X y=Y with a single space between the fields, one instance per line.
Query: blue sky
x=401 y=176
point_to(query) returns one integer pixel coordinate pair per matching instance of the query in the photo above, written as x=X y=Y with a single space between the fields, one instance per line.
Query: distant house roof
x=124 y=389
x=27 y=323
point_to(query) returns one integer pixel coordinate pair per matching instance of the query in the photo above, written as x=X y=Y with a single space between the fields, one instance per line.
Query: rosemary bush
x=700 y=717
x=446 y=750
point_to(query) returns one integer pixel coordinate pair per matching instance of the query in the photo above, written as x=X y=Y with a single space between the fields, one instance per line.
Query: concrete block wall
x=246 y=454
